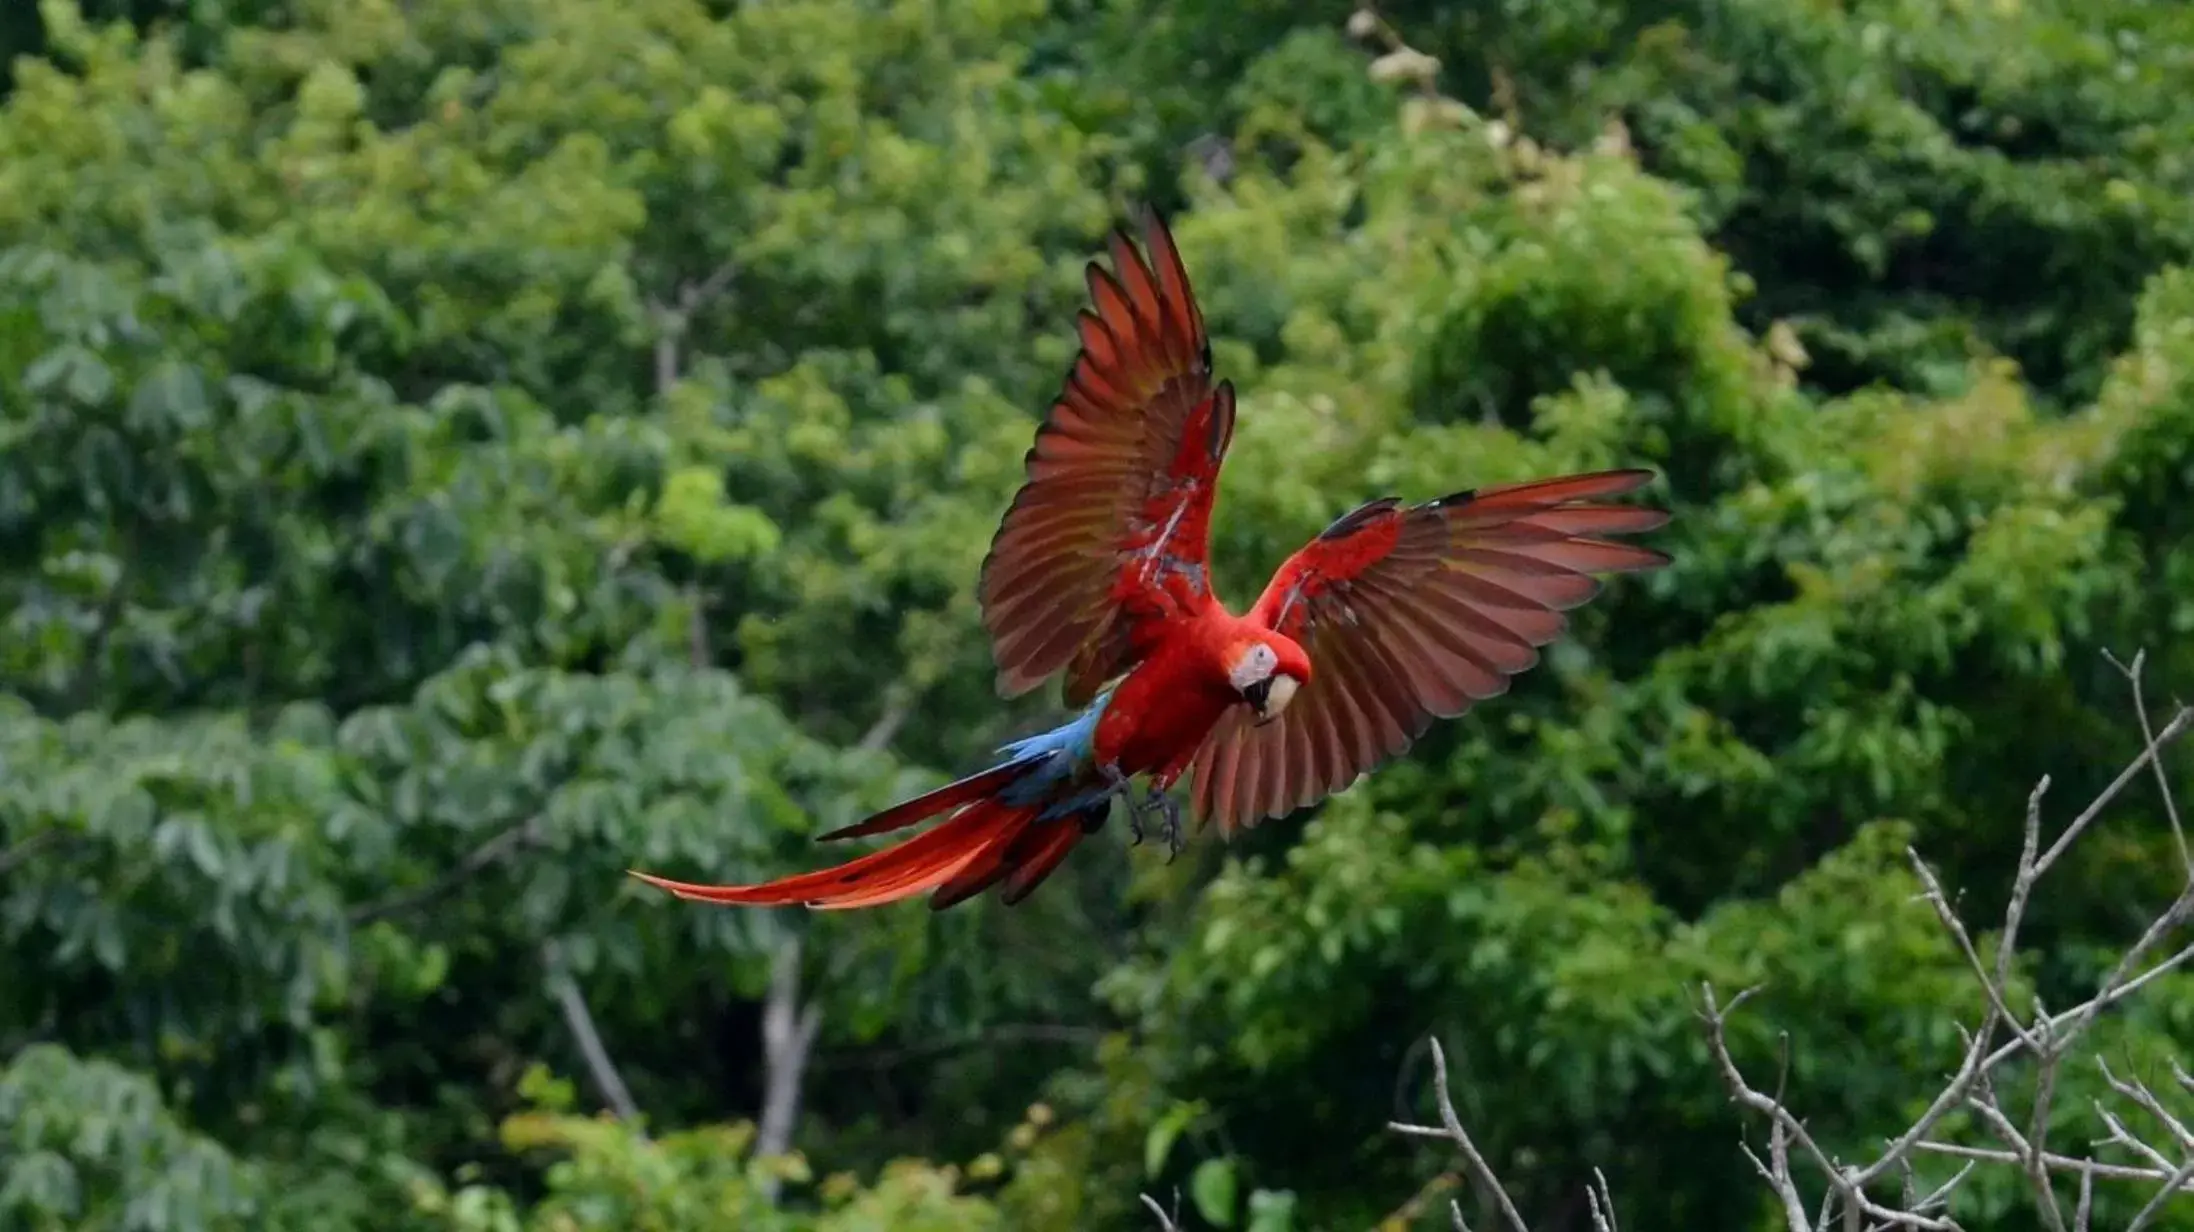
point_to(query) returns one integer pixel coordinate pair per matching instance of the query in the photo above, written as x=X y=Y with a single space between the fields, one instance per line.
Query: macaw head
x=1266 y=670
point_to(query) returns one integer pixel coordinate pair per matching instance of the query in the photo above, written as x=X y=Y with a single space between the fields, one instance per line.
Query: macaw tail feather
x=986 y=841
x=929 y=804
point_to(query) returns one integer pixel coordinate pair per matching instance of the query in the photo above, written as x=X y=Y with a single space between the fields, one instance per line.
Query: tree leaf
x=1158 y=1143
x=1212 y=1188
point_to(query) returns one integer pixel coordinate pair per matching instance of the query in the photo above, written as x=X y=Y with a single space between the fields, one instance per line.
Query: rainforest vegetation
x=454 y=451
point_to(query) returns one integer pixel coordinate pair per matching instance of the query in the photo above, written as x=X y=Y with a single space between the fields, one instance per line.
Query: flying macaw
x=1393 y=616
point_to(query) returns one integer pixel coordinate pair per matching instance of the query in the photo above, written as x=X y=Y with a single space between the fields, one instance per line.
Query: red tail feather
x=922 y=807
x=976 y=848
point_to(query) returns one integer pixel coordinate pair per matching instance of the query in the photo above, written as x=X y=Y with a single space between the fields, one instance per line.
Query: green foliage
x=89 y=1146
x=607 y=1175
x=1909 y=184
x=451 y=453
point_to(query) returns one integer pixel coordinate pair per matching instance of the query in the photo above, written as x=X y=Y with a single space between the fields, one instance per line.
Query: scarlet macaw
x=1409 y=612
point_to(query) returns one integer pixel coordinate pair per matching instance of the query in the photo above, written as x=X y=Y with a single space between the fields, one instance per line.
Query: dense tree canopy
x=454 y=451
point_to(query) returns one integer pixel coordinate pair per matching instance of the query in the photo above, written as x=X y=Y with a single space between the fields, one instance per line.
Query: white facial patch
x=1257 y=663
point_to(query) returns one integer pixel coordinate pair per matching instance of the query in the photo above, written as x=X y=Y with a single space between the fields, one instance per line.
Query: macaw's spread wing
x=1110 y=529
x=1410 y=614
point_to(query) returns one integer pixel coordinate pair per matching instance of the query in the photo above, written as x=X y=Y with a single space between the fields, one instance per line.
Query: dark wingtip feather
x=1222 y=420
x=1355 y=518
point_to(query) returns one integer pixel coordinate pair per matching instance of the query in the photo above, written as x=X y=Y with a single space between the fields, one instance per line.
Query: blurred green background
x=452 y=451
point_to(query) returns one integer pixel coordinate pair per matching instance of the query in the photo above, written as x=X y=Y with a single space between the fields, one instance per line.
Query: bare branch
x=2043 y=1038
x=2141 y=1095
x=672 y=322
x=1167 y=1221
x=574 y=1006
x=1977 y=1058
x=1991 y=985
x=495 y=850
x=2046 y=1041
x=695 y=296
x=2172 y=731
x=2057 y=1163
x=2037 y=1139
x=1784 y=1129
x=1602 y=1201
x=2132 y=673
x=1004 y=1033
x=788 y=1036
x=2182 y=1179
x=1940 y=1196
x=666 y=362
x=1451 y=1128
x=2123 y=1137
x=898 y=707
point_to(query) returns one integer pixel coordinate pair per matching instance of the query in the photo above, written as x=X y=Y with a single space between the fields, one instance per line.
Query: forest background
x=452 y=451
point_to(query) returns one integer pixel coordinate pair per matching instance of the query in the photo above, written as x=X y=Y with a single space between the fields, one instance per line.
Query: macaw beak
x=1270 y=696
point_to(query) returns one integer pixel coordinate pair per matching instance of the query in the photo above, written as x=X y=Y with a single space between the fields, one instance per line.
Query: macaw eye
x=1255 y=664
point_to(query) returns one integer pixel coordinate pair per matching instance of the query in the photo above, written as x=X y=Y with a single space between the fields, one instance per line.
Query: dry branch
x=573 y=1005
x=1451 y=1128
x=1856 y=1197
x=505 y=844
x=788 y=1040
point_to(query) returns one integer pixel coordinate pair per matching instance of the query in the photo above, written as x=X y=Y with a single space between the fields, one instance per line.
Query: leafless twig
x=2056 y=1163
x=2045 y=1040
x=501 y=847
x=1168 y=1221
x=1451 y=1128
x=576 y=1016
x=989 y=1037
x=1855 y=1197
x=2178 y=1181
x=673 y=320
x=2132 y=673
x=898 y=708
x=1602 y=1201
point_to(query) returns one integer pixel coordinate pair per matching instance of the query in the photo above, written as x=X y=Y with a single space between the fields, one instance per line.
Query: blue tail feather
x=1056 y=769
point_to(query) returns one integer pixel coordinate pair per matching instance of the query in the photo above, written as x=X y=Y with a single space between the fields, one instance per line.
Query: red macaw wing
x=1410 y=614
x=1110 y=528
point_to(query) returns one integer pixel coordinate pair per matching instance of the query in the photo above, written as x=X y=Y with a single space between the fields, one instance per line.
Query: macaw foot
x=1168 y=812
x=1169 y=809
x=1122 y=787
x=1154 y=803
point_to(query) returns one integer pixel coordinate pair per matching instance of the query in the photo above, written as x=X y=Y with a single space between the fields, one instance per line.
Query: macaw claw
x=1168 y=811
x=1175 y=837
x=1154 y=801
